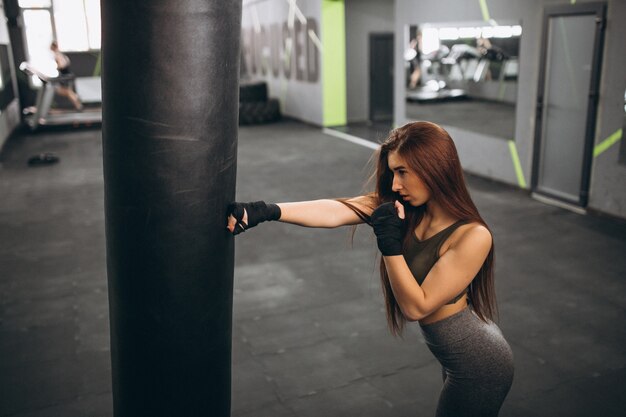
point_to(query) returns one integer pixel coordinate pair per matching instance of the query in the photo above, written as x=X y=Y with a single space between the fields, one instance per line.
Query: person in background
x=416 y=62
x=63 y=67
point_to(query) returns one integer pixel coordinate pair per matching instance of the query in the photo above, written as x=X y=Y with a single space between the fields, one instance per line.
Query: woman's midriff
x=445 y=311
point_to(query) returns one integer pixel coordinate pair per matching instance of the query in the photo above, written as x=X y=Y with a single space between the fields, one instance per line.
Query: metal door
x=567 y=101
x=381 y=76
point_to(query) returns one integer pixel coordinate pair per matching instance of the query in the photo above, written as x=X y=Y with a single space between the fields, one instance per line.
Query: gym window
x=75 y=24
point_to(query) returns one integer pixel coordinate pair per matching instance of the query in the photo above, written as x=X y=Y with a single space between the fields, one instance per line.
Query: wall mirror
x=463 y=75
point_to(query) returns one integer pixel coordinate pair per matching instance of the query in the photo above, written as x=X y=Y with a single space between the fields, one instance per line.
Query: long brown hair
x=430 y=152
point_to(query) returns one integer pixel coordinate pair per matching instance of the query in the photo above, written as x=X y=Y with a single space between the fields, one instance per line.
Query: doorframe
x=372 y=36
x=599 y=9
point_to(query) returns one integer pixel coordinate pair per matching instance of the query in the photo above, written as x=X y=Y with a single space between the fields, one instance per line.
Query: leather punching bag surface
x=170 y=104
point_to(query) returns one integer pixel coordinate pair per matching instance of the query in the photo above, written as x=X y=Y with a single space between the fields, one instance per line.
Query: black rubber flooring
x=309 y=332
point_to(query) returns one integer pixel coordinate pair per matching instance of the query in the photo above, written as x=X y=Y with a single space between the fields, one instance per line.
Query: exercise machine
x=457 y=73
x=43 y=114
x=435 y=79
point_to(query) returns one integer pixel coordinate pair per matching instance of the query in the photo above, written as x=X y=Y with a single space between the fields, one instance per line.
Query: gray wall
x=608 y=175
x=607 y=191
x=362 y=18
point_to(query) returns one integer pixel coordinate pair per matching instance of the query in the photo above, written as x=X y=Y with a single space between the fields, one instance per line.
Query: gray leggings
x=477 y=364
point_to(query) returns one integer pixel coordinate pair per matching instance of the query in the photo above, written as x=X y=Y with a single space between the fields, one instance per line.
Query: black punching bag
x=170 y=107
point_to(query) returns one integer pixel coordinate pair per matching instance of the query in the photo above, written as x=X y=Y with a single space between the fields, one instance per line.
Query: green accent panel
x=517 y=165
x=97 y=68
x=573 y=2
x=485 y=10
x=284 y=81
x=607 y=143
x=501 y=89
x=333 y=54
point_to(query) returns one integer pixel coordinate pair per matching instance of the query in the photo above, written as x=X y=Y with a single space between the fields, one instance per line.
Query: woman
x=437 y=264
x=63 y=67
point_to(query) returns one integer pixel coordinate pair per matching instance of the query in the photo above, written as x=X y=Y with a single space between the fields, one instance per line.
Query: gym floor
x=309 y=331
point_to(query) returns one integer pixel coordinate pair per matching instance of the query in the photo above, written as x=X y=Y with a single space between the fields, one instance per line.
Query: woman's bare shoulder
x=470 y=236
x=473 y=234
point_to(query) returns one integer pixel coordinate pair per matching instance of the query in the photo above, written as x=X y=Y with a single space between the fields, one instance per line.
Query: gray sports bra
x=421 y=255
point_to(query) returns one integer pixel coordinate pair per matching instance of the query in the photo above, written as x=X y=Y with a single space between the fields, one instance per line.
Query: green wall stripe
x=96 y=69
x=501 y=88
x=518 y=166
x=607 y=143
x=485 y=10
x=284 y=82
x=519 y=173
x=333 y=30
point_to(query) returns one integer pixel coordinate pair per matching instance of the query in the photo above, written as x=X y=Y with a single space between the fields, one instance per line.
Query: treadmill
x=42 y=114
x=435 y=73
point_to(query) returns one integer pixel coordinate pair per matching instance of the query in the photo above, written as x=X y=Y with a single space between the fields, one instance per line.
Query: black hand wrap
x=257 y=211
x=389 y=229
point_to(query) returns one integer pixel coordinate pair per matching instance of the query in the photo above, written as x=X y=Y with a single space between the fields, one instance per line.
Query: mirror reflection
x=463 y=75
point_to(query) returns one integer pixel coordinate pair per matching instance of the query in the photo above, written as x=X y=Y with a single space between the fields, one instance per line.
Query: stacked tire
x=255 y=107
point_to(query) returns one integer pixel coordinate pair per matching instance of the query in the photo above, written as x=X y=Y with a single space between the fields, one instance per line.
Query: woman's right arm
x=324 y=213
x=316 y=213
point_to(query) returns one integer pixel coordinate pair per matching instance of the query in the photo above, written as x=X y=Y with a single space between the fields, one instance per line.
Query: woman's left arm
x=450 y=275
